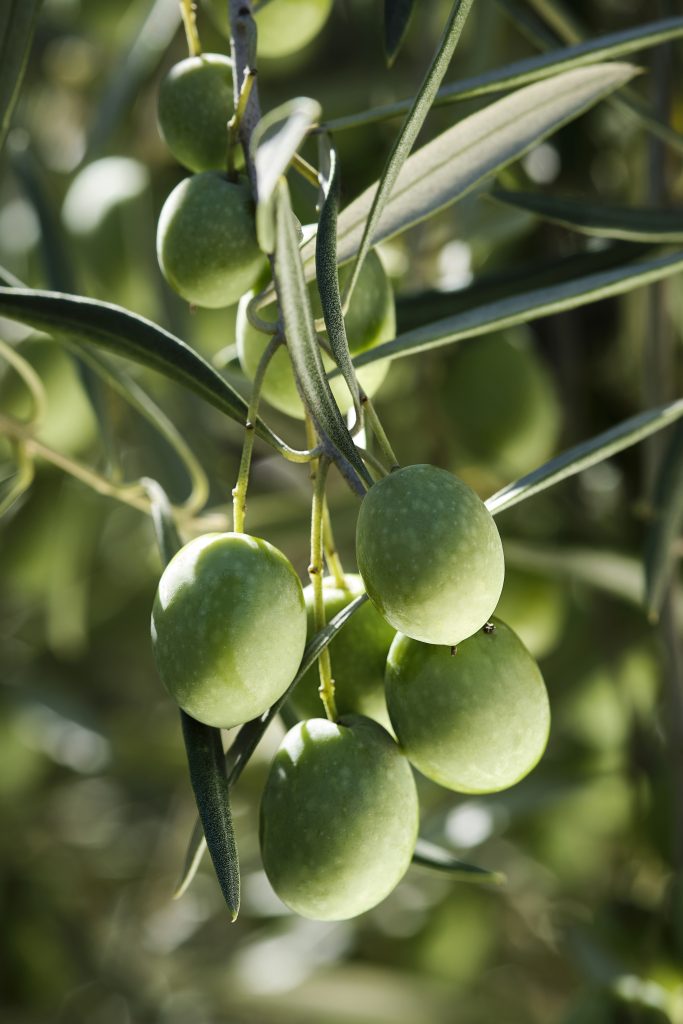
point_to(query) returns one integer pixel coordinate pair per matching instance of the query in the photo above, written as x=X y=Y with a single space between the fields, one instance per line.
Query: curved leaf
x=430 y=855
x=581 y=456
x=667 y=525
x=631 y=223
x=397 y=14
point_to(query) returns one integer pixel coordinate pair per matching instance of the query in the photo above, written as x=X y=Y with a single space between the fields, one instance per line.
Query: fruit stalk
x=315 y=571
x=188 y=11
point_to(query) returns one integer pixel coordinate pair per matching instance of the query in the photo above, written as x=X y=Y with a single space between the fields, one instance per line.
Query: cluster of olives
x=465 y=700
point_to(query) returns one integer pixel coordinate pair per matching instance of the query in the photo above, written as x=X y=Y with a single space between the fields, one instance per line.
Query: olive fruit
x=206 y=240
x=502 y=403
x=228 y=627
x=429 y=554
x=476 y=720
x=339 y=817
x=195 y=103
x=283 y=26
x=358 y=654
x=370 y=320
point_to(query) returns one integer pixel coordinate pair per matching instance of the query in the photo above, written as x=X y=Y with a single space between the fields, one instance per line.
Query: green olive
x=475 y=721
x=430 y=554
x=228 y=627
x=358 y=655
x=339 y=818
x=195 y=104
x=371 y=319
x=206 y=240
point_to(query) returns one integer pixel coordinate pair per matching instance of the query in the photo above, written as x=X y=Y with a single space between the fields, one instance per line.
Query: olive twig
x=334 y=563
x=378 y=431
x=188 y=10
x=30 y=378
x=372 y=460
x=239 y=492
x=315 y=572
x=265 y=326
x=236 y=119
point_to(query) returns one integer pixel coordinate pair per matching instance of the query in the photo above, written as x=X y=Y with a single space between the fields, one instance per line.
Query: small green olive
x=195 y=104
x=228 y=627
x=371 y=319
x=430 y=554
x=339 y=818
x=358 y=655
x=206 y=240
x=475 y=721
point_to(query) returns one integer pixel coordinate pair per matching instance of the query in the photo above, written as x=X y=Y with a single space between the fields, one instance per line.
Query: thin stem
x=334 y=564
x=306 y=170
x=378 y=430
x=188 y=10
x=265 y=326
x=239 y=491
x=30 y=378
x=23 y=477
x=236 y=120
x=315 y=572
x=373 y=461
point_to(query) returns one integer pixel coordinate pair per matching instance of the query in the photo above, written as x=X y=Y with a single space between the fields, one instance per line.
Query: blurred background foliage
x=96 y=805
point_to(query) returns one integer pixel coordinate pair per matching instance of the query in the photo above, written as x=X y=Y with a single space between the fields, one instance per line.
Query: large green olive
x=371 y=319
x=430 y=554
x=475 y=721
x=339 y=818
x=228 y=627
x=206 y=240
x=283 y=26
x=358 y=655
x=195 y=103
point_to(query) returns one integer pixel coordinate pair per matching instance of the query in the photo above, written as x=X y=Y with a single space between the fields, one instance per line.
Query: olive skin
x=195 y=104
x=358 y=655
x=339 y=818
x=429 y=554
x=370 y=320
x=206 y=240
x=476 y=721
x=228 y=627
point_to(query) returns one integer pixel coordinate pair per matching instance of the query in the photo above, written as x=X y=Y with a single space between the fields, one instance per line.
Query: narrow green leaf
x=581 y=456
x=250 y=735
x=304 y=349
x=524 y=72
x=326 y=272
x=165 y=530
x=631 y=223
x=126 y=334
x=274 y=142
x=453 y=163
x=18 y=20
x=431 y=855
x=525 y=307
x=665 y=530
x=415 y=118
x=397 y=14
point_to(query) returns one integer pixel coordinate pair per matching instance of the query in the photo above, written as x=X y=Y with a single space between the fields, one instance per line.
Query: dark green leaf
x=17 y=23
x=397 y=14
x=631 y=223
x=430 y=855
x=304 y=349
x=581 y=456
x=666 y=528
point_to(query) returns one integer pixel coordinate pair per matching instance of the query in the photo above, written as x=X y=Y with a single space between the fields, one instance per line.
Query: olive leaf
x=524 y=307
x=666 y=527
x=17 y=24
x=304 y=349
x=250 y=734
x=397 y=15
x=631 y=223
x=101 y=323
x=524 y=72
x=274 y=143
x=452 y=164
x=589 y=453
x=326 y=269
x=203 y=744
x=431 y=855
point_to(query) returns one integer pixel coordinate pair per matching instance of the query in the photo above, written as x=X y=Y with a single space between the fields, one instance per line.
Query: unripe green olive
x=195 y=104
x=206 y=240
x=339 y=818
x=475 y=721
x=371 y=319
x=228 y=627
x=430 y=554
x=283 y=26
x=358 y=655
